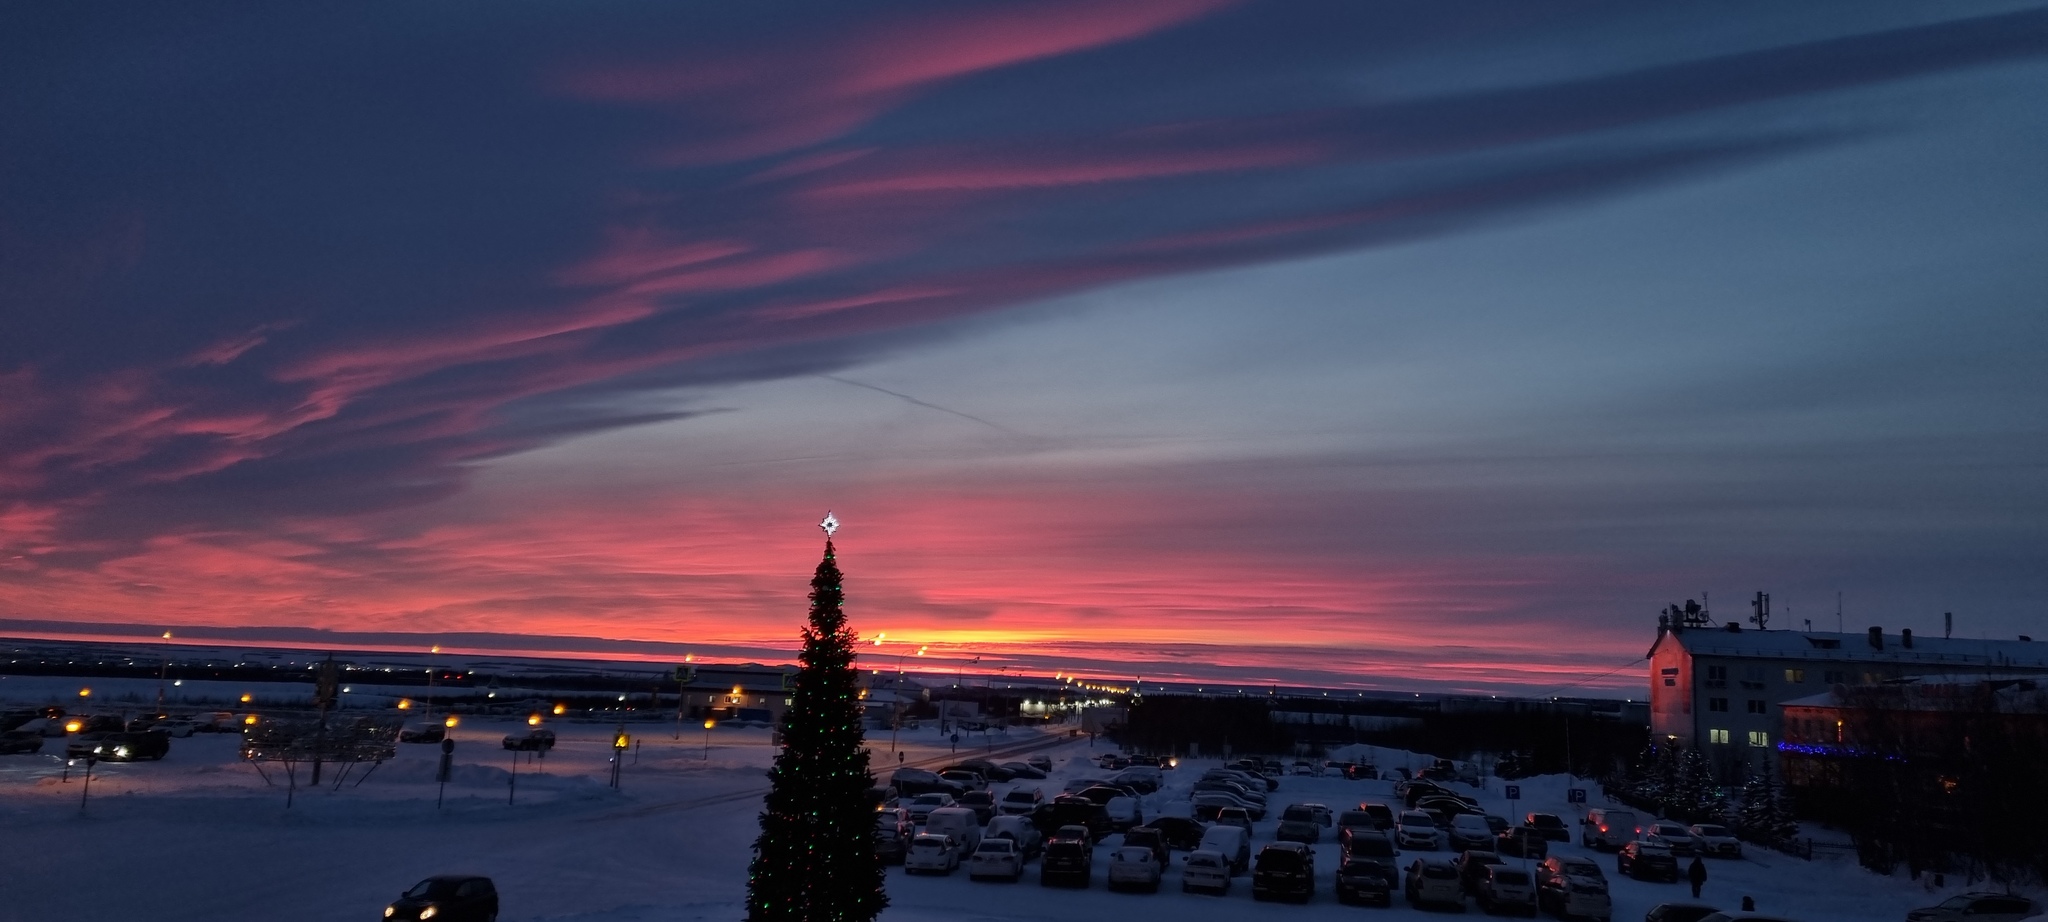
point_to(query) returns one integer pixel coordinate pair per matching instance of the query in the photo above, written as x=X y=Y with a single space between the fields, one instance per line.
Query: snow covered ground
x=201 y=835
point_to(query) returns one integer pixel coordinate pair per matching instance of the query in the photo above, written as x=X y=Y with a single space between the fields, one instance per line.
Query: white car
x=932 y=854
x=1206 y=872
x=1507 y=889
x=1416 y=829
x=922 y=805
x=996 y=858
x=178 y=728
x=1717 y=841
x=1134 y=867
x=1124 y=813
x=1017 y=829
x=1020 y=802
x=1675 y=836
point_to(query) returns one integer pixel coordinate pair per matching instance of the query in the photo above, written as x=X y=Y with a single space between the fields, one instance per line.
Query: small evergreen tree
x=815 y=860
x=1761 y=813
x=1693 y=797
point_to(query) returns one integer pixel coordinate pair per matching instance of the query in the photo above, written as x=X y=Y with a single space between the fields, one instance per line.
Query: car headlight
x=429 y=912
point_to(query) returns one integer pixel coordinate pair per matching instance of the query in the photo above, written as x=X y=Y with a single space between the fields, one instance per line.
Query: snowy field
x=201 y=836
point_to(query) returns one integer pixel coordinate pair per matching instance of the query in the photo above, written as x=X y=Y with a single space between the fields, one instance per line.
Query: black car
x=1642 y=861
x=531 y=741
x=1048 y=818
x=910 y=782
x=1066 y=861
x=1307 y=832
x=1022 y=770
x=1366 y=880
x=983 y=767
x=1472 y=869
x=1284 y=870
x=1366 y=844
x=982 y=803
x=447 y=899
x=1522 y=842
x=1549 y=826
x=120 y=747
x=427 y=733
x=1178 y=832
x=18 y=741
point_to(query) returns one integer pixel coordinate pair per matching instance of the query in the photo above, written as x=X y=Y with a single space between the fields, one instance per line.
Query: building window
x=1834 y=677
x=1717 y=673
x=1795 y=676
x=1759 y=739
x=1671 y=677
x=1756 y=706
x=1717 y=736
x=1717 y=704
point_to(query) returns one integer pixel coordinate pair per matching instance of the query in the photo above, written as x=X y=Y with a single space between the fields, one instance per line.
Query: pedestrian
x=1697 y=873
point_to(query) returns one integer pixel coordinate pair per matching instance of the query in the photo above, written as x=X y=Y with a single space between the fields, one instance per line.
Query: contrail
x=929 y=406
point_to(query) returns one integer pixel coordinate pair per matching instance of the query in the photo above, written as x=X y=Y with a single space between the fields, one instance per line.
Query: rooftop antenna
x=1809 y=625
x=1838 y=611
x=1762 y=606
x=1948 y=624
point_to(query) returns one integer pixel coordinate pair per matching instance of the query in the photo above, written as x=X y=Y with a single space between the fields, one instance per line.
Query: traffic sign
x=1514 y=792
x=1576 y=796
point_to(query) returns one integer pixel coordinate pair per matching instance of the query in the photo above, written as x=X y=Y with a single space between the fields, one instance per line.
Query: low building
x=1928 y=719
x=1720 y=688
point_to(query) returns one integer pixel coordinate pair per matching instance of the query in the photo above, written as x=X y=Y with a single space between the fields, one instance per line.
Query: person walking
x=1697 y=873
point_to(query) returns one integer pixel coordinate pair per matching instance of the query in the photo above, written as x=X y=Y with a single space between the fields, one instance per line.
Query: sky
x=1386 y=345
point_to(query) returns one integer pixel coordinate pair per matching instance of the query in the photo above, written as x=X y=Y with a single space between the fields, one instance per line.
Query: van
x=1232 y=843
x=958 y=822
x=1608 y=829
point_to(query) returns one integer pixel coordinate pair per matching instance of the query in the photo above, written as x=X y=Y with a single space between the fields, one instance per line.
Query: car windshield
x=1439 y=872
x=1417 y=819
x=1545 y=821
x=1355 y=818
x=1707 y=830
x=995 y=847
x=1278 y=860
x=1581 y=867
x=1510 y=877
x=1297 y=813
x=1019 y=797
x=1066 y=849
x=1362 y=867
x=431 y=888
x=935 y=800
x=1204 y=861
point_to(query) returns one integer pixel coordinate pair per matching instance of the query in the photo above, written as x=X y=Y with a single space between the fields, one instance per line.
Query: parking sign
x=1576 y=795
x=1514 y=792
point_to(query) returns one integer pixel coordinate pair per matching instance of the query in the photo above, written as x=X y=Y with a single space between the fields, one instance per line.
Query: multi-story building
x=1721 y=689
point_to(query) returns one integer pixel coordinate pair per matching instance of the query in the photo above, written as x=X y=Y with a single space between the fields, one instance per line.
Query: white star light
x=830 y=525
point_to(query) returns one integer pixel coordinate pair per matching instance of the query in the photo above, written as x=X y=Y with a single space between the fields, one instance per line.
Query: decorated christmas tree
x=1761 y=813
x=815 y=860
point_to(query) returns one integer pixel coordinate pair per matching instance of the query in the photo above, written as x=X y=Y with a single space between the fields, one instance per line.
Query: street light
x=163 y=671
x=708 y=724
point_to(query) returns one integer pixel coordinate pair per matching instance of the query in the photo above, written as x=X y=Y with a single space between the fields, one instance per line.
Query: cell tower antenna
x=1838 y=611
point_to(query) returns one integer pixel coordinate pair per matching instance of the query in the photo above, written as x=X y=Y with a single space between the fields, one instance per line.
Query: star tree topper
x=830 y=525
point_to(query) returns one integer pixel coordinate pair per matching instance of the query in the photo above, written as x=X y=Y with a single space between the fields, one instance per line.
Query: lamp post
x=432 y=651
x=163 y=671
x=708 y=724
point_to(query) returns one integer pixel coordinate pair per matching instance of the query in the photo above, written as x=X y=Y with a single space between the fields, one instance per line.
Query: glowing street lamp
x=85 y=693
x=405 y=704
x=561 y=709
x=708 y=724
x=533 y=720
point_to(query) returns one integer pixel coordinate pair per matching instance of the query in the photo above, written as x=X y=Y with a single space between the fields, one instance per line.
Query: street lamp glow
x=561 y=709
x=450 y=722
x=710 y=723
x=246 y=698
x=533 y=720
x=405 y=704
x=85 y=693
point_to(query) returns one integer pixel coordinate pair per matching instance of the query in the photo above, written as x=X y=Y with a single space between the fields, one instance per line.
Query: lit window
x=1717 y=736
x=1795 y=675
x=1759 y=739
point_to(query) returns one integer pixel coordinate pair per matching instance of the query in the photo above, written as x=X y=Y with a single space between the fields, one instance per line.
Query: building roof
x=2010 y=694
x=1960 y=652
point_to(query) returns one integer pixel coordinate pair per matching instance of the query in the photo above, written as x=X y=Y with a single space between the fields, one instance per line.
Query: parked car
x=1134 y=867
x=1205 y=872
x=1124 y=813
x=1142 y=779
x=1017 y=829
x=968 y=781
x=1549 y=826
x=983 y=767
x=538 y=739
x=1180 y=833
x=1314 y=813
x=175 y=727
x=1370 y=845
x=1042 y=763
x=447 y=899
x=1062 y=812
x=1284 y=871
x=1303 y=831
x=1381 y=814
x=424 y=732
x=893 y=832
x=1230 y=842
x=1726 y=916
x=1365 y=880
x=1978 y=907
x=1416 y=829
x=910 y=782
x=958 y=822
x=1469 y=831
x=1606 y=829
x=1522 y=842
x=1472 y=867
x=1024 y=770
x=1675 y=836
x=932 y=854
x=1453 y=807
x=1507 y=889
x=1572 y=887
x=1358 y=820
x=121 y=747
x=1431 y=882
x=1235 y=816
x=1679 y=912
x=981 y=802
x=1716 y=841
x=20 y=741
x=1644 y=861
x=996 y=858
x=1067 y=861
x=1020 y=802
x=922 y=805
x=1148 y=837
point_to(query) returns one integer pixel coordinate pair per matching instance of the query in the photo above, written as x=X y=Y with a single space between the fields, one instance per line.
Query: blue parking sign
x=1514 y=792
x=1576 y=796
